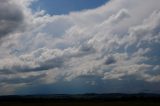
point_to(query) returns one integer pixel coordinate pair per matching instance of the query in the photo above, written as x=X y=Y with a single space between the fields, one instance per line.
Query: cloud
x=117 y=41
x=110 y=60
x=121 y=71
x=9 y=88
x=11 y=17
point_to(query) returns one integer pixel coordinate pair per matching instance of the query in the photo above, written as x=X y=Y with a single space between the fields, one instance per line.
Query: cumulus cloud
x=113 y=42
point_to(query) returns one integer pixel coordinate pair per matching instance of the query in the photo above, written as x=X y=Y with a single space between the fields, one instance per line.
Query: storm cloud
x=11 y=17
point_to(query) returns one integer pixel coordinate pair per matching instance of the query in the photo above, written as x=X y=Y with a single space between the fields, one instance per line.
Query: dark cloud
x=110 y=60
x=11 y=17
x=56 y=62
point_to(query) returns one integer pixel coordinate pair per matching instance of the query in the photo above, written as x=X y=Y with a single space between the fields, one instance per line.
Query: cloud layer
x=118 y=41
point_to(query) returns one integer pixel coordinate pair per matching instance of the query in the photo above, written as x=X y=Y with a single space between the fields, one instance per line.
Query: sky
x=58 y=7
x=79 y=46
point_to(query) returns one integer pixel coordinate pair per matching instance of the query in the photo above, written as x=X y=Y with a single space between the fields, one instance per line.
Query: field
x=82 y=100
x=82 y=103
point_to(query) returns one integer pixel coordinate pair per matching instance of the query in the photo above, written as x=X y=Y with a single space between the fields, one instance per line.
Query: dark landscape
x=82 y=99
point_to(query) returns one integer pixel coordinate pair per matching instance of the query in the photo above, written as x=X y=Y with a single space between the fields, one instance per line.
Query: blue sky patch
x=57 y=7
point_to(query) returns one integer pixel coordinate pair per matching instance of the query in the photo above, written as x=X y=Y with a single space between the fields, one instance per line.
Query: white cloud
x=113 y=41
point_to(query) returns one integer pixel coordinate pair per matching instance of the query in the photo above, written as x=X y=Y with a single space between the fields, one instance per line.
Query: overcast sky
x=79 y=46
